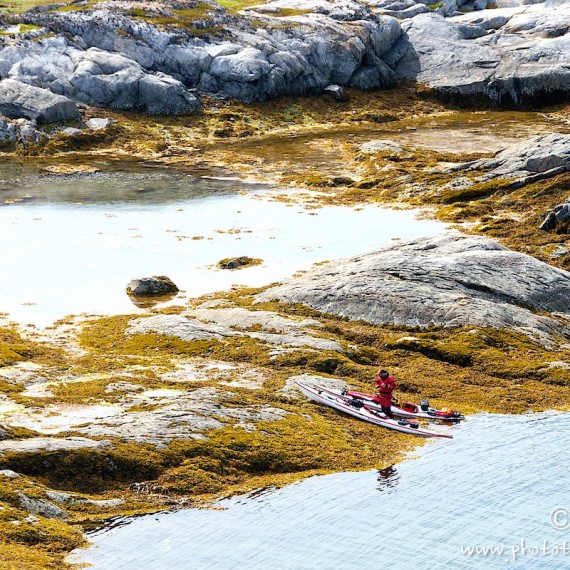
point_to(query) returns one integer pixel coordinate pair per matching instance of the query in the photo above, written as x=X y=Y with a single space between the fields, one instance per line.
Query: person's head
x=383 y=374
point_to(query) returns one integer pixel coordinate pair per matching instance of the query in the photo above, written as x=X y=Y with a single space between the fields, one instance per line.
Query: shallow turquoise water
x=489 y=498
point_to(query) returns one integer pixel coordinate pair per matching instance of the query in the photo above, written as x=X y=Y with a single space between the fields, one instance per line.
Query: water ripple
x=493 y=486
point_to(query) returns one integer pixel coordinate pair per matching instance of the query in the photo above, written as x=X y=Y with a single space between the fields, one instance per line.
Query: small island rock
x=151 y=286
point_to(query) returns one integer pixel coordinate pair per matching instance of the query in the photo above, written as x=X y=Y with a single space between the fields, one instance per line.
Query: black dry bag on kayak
x=356 y=403
x=424 y=405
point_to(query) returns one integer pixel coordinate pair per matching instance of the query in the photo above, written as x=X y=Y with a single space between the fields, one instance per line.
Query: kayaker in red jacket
x=385 y=384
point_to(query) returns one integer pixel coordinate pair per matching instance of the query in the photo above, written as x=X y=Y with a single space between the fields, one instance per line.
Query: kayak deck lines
x=404 y=410
x=363 y=411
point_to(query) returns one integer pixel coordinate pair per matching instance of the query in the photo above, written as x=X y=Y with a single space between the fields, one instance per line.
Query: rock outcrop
x=219 y=324
x=93 y=76
x=403 y=9
x=19 y=100
x=158 y=58
x=527 y=161
x=446 y=280
x=260 y=57
x=506 y=56
x=49 y=444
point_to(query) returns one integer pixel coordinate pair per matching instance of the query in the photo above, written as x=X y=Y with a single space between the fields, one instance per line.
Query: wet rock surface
x=151 y=286
x=446 y=280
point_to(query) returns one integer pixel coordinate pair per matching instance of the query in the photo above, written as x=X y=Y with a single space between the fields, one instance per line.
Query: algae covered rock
x=151 y=286
x=238 y=262
x=41 y=507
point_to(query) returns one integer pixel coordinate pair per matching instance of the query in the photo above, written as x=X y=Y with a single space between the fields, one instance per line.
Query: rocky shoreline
x=164 y=57
x=127 y=414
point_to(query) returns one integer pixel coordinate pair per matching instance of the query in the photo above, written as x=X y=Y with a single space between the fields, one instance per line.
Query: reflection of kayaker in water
x=385 y=384
x=387 y=478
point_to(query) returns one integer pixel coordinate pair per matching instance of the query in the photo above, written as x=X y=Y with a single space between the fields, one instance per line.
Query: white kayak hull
x=338 y=402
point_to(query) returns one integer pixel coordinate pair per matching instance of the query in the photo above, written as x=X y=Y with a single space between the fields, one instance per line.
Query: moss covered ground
x=471 y=369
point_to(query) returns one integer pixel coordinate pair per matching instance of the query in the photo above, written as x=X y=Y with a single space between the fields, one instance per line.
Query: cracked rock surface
x=445 y=280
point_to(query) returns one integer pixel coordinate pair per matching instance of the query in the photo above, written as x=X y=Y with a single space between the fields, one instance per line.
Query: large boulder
x=19 y=100
x=151 y=286
x=444 y=280
x=558 y=218
x=113 y=80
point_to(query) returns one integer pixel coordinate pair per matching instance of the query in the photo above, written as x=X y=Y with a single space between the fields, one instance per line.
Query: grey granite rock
x=336 y=92
x=533 y=159
x=560 y=214
x=549 y=222
x=263 y=56
x=47 y=444
x=186 y=328
x=107 y=57
x=41 y=507
x=290 y=389
x=92 y=76
x=98 y=124
x=180 y=415
x=379 y=145
x=445 y=280
x=243 y=319
x=9 y=473
x=19 y=100
x=8 y=131
x=179 y=326
x=508 y=56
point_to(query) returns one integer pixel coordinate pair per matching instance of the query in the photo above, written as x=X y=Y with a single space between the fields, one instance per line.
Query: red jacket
x=385 y=388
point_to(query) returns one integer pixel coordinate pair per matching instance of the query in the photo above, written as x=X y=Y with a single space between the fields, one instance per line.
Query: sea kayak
x=406 y=409
x=357 y=408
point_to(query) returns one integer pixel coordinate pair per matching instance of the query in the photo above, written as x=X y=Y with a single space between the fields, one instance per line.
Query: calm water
x=72 y=244
x=494 y=486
